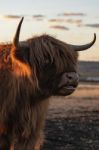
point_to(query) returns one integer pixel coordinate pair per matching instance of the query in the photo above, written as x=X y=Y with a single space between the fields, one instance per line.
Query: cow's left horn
x=16 y=38
x=83 y=47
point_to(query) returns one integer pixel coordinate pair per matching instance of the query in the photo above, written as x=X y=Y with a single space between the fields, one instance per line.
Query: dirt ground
x=73 y=122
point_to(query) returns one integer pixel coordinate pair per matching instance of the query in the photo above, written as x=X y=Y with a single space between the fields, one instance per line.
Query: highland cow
x=30 y=72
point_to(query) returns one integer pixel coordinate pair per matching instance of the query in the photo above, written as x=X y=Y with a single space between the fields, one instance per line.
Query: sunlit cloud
x=37 y=17
x=56 y=20
x=59 y=27
x=27 y=17
x=72 y=14
x=11 y=16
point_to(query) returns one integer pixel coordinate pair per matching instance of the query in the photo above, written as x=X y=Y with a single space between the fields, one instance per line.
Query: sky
x=72 y=21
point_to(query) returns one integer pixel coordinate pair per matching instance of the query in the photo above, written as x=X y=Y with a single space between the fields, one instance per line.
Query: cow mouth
x=67 y=84
x=66 y=90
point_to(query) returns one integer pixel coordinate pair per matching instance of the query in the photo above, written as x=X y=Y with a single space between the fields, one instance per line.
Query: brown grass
x=73 y=121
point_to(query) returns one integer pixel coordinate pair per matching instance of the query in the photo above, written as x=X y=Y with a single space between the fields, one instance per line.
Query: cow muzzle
x=68 y=83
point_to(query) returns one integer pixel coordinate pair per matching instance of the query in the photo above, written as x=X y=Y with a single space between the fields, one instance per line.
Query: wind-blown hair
x=52 y=50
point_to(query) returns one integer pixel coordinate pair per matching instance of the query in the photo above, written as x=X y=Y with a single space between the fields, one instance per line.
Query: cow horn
x=16 y=38
x=83 y=47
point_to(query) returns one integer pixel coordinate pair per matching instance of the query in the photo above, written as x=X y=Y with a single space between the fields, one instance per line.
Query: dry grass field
x=73 y=121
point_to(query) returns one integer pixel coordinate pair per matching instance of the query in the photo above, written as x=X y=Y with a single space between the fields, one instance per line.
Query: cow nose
x=73 y=77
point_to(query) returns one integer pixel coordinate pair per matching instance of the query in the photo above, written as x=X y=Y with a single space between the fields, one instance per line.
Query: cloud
x=56 y=20
x=39 y=19
x=71 y=21
x=38 y=16
x=77 y=21
x=12 y=16
x=96 y=25
x=59 y=27
x=92 y=25
x=27 y=17
x=62 y=21
x=72 y=14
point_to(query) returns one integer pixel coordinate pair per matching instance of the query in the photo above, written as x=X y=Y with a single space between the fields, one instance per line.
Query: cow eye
x=47 y=62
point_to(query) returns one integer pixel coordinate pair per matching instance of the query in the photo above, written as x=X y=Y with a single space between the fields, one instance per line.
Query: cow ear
x=17 y=34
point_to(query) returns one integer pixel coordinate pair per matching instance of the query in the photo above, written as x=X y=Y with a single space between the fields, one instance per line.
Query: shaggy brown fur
x=29 y=74
x=27 y=78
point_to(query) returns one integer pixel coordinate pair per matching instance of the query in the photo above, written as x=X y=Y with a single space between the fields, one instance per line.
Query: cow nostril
x=73 y=77
x=70 y=77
